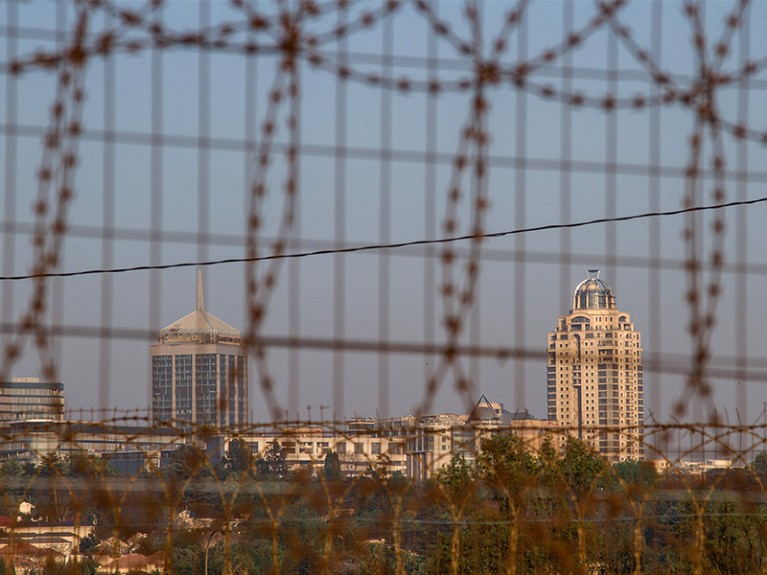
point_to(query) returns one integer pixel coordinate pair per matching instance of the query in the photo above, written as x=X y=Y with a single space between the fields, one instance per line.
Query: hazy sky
x=169 y=152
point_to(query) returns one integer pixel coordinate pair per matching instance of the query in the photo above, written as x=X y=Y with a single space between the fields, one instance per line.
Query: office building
x=594 y=374
x=200 y=371
x=28 y=398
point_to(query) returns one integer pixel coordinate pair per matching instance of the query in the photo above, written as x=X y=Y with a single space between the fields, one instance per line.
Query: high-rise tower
x=594 y=374
x=200 y=370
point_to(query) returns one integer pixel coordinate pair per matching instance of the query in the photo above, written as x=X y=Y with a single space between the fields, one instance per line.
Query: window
x=341 y=448
x=359 y=449
x=375 y=448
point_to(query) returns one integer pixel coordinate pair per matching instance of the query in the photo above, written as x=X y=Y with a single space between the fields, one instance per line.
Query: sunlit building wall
x=594 y=373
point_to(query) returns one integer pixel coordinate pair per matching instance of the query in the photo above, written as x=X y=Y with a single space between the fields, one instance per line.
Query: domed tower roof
x=593 y=293
x=200 y=326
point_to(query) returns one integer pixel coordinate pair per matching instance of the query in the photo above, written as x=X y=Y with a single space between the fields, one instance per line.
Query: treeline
x=515 y=511
x=511 y=511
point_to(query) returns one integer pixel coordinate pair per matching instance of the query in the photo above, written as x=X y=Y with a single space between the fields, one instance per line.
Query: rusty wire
x=550 y=514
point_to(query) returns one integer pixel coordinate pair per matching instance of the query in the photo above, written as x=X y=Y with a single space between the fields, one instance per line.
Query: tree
x=52 y=503
x=83 y=464
x=506 y=463
x=636 y=472
x=332 y=466
x=186 y=462
x=11 y=469
x=548 y=462
x=273 y=464
x=456 y=476
x=581 y=466
x=239 y=457
x=51 y=465
x=760 y=463
x=88 y=544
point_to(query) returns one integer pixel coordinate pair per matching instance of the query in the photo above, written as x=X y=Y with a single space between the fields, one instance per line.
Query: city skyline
x=488 y=283
x=173 y=144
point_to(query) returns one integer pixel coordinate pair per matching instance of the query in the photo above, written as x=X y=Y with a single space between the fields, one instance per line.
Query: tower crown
x=593 y=293
x=200 y=326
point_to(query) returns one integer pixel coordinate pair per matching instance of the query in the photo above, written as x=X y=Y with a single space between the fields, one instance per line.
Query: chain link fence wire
x=393 y=201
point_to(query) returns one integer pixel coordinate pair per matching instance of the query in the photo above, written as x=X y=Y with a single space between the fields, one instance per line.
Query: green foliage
x=734 y=534
x=244 y=557
x=760 y=463
x=239 y=457
x=188 y=560
x=378 y=558
x=187 y=461
x=506 y=463
x=88 y=544
x=84 y=464
x=581 y=466
x=548 y=462
x=514 y=510
x=51 y=465
x=11 y=469
x=456 y=476
x=636 y=472
x=273 y=465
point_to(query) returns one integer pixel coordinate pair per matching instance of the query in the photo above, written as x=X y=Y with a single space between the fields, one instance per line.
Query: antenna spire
x=200 y=302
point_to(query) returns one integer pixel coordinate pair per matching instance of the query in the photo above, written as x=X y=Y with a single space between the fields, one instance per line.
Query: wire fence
x=393 y=202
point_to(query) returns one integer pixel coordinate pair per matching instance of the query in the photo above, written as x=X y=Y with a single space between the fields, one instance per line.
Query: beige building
x=594 y=373
x=414 y=447
x=359 y=447
x=200 y=371
x=436 y=439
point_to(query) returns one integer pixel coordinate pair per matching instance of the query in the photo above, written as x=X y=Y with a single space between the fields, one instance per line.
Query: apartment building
x=594 y=374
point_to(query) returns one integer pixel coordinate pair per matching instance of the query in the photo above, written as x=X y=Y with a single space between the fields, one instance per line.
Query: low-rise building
x=414 y=447
x=359 y=448
x=31 y=440
x=438 y=438
x=28 y=398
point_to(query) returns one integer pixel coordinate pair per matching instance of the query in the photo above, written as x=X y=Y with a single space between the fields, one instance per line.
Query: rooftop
x=593 y=293
x=199 y=326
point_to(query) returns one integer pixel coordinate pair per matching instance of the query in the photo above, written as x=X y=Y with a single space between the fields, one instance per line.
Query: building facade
x=436 y=439
x=359 y=450
x=594 y=373
x=28 y=398
x=200 y=371
x=117 y=443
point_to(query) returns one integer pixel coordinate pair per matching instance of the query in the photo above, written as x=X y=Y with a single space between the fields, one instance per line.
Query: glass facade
x=231 y=383
x=206 y=389
x=183 y=387
x=242 y=389
x=162 y=387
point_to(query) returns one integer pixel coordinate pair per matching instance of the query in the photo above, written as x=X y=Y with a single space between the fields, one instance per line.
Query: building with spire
x=200 y=371
x=594 y=373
